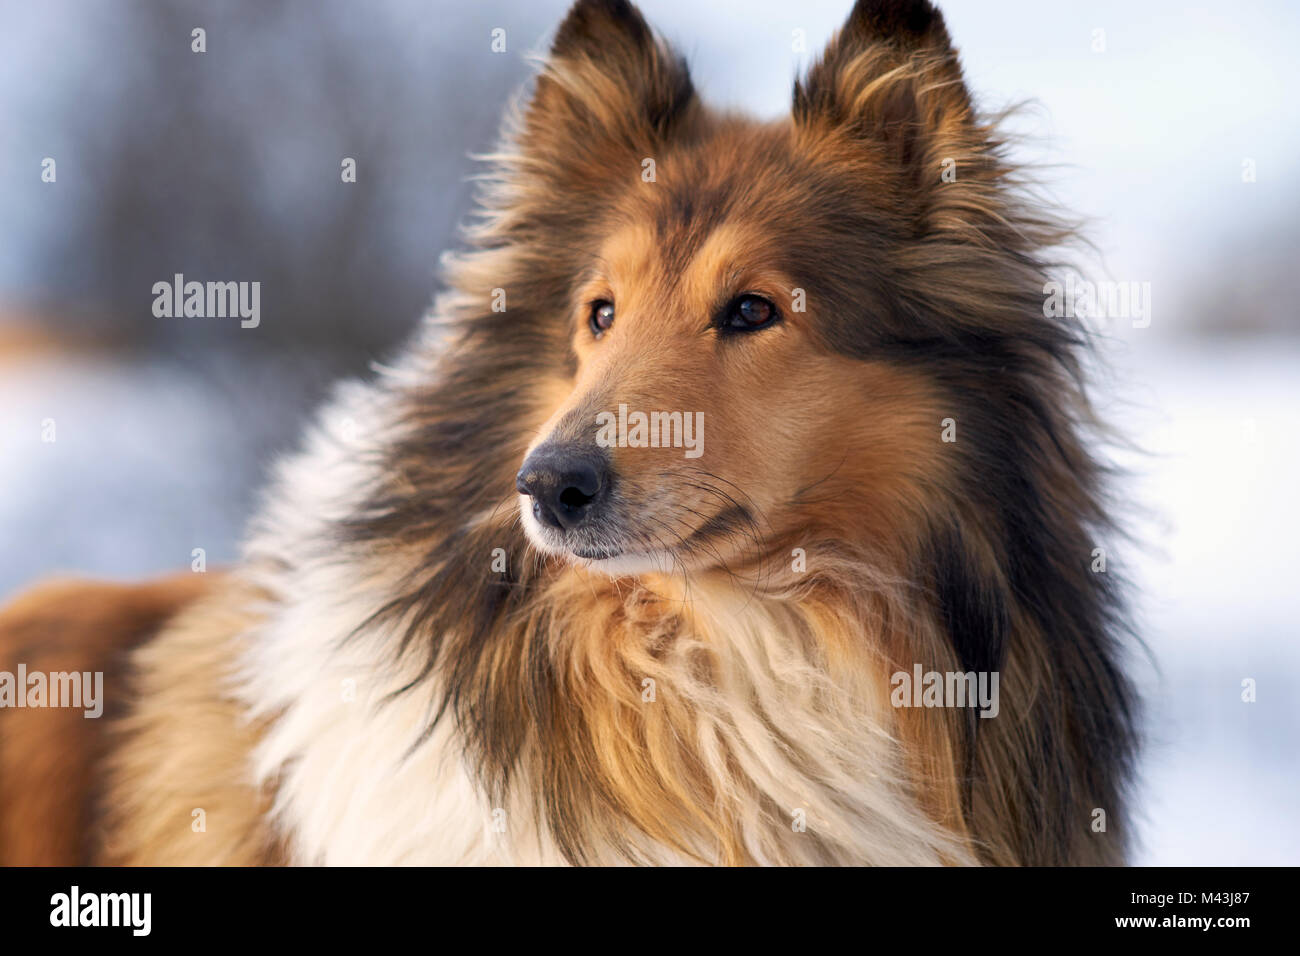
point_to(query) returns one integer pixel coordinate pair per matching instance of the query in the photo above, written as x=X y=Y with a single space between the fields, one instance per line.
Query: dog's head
x=774 y=329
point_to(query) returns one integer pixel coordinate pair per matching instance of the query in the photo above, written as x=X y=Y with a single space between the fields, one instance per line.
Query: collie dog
x=731 y=452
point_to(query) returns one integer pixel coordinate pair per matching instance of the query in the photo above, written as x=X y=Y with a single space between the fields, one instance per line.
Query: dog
x=731 y=453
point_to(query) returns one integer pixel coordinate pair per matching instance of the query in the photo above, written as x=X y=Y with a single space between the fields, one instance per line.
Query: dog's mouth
x=591 y=543
x=574 y=505
x=608 y=543
x=617 y=548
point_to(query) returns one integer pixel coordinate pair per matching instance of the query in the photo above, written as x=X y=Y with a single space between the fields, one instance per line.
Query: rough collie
x=733 y=506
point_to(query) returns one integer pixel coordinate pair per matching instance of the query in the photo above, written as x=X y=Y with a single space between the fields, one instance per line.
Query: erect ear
x=610 y=91
x=890 y=76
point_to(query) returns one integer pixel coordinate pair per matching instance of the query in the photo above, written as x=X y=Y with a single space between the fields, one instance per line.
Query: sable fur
x=501 y=716
x=49 y=758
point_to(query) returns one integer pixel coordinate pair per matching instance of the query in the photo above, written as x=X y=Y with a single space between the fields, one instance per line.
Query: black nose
x=566 y=481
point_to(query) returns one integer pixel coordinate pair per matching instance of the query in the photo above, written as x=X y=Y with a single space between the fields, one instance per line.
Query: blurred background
x=1170 y=125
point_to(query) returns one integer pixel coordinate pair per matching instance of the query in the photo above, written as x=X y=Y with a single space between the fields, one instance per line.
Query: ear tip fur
x=902 y=30
x=907 y=22
x=590 y=21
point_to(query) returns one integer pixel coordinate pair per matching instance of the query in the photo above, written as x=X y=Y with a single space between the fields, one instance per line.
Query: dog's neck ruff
x=726 y=726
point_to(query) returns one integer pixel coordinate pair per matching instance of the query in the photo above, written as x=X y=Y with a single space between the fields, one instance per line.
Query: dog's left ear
x=891 y=77
x=609 y=94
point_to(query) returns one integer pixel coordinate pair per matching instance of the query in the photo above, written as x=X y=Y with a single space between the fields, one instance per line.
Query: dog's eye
x=602 y=317
x=749 y=313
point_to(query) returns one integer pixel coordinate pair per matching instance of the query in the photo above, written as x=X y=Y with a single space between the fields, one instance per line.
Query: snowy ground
x=151 y=461
x=1221 y=603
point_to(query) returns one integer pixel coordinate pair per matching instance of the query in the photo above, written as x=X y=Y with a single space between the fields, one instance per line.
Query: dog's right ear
x=610 y=92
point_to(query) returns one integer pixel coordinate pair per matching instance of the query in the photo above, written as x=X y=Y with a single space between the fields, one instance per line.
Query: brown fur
x=184 y=747
x=49 y=756
x=924 y=302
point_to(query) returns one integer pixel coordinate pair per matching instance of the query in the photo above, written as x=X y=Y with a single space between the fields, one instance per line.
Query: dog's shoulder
x=48 y=754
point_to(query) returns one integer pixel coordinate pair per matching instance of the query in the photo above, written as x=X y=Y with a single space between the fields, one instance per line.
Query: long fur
x=425 y=686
